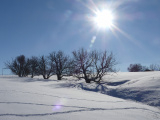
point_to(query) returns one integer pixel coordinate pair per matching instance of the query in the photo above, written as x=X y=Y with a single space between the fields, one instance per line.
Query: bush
x=135 y=68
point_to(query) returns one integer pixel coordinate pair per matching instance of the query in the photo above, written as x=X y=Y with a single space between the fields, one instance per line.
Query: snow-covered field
x=38 y=99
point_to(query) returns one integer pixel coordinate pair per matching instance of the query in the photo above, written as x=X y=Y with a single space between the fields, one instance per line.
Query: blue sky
x=38 y=27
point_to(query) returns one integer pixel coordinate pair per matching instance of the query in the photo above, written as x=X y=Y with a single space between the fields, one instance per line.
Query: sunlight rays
x=104 y=17
x=104 y=20
x=131 y=39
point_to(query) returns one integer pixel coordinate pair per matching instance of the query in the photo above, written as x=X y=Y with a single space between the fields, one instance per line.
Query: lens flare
x=59 y=105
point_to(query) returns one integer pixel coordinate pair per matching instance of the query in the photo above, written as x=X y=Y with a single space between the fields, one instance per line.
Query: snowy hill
x=38 y=99
x=141 y=86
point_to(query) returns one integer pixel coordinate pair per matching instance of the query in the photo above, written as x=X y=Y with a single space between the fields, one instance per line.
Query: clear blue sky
x=38 y=27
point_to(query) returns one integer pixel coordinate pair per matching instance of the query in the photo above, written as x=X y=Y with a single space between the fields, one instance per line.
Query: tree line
x=89 y=65
x=140 y=68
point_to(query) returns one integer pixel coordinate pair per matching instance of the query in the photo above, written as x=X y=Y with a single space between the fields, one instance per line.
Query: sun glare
x=104 y=19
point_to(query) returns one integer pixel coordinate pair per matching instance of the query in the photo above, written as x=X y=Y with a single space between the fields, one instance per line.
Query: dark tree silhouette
x=135 y=68
x=33 y=66
x=103 y=62
x=92 y=66
x=19 y=66
x=82 y=63
x=45 y=68
x=61 y=62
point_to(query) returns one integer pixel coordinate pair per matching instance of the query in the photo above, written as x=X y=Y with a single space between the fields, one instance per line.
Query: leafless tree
x=154 y=67
x=45 y=68
x=19 y=66
x=61 y=62
x=103 y=62
x=145 y=68
x=82 y=63
x=92 y=66
x=33 y=66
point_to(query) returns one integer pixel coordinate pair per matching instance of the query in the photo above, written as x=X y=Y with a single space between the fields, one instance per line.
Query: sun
x=103 y=19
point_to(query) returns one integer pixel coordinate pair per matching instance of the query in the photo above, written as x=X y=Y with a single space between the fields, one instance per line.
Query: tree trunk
x=59 y=77
x=32 y=75
x=44 y=77
x=88 y=80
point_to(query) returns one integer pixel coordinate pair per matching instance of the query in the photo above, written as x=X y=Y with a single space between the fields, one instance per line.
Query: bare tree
x=19 y=66
x=82 y=63
x=61 y=62
x=33 y=66
x=45 y=68
x=154 y=67
x=145 y=68
x=103 y=62
x=92 y=66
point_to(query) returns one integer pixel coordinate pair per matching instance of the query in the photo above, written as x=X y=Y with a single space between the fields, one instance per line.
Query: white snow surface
x=38 y=99
x=140 y=86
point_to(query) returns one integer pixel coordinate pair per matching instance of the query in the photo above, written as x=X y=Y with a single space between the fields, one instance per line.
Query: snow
x=38 y=99
x=141 y=86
